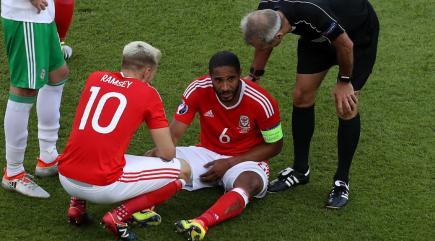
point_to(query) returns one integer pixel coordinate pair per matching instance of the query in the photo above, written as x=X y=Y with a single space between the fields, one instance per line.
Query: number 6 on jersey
x=224 y=138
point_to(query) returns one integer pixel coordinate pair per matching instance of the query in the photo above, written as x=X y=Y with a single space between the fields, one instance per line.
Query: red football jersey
x=229 y=130
x=111 y=109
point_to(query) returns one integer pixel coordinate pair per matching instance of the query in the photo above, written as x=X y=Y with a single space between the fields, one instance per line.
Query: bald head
x=260 y=25
x=138 y=55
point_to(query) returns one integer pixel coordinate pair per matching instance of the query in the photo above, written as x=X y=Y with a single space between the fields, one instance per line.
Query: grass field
x=393 y=175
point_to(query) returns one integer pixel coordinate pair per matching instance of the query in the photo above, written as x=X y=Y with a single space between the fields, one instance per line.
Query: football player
x=94 y=167
x=38 y=72
x=240 y=131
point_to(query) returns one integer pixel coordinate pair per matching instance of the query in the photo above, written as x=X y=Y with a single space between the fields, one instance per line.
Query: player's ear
x=279 y=35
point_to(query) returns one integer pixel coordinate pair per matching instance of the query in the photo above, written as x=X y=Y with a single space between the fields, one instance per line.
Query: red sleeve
x=267 y=110
x=156 y=117
x=265 y=121
x=187 y=109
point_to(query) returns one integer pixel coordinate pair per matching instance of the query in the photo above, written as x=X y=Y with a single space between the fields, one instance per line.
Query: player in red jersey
x=94 y=166
x=240 y=130
x=63 y=17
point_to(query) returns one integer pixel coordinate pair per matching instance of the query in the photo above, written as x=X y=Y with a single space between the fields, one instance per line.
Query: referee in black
x=332 y=32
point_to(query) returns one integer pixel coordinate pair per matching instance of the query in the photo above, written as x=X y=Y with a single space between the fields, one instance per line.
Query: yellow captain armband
x=272 y=135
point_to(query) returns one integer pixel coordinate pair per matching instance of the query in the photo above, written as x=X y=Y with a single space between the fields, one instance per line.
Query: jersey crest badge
x=182 y=108
x=244 y=124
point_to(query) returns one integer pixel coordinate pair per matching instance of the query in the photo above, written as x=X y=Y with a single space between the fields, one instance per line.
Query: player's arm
x=177 y=129
x=261 y=56
x=260 y=152
x=344 y=94
x=344 y=50
x=165 y=148
x=271 y=147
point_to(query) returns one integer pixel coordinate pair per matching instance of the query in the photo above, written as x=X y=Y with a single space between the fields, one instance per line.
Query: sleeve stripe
x=192 y=85
x=261 y=103
x=259 y=97
x=292 y=1
x=196 y=84
x=205 y=85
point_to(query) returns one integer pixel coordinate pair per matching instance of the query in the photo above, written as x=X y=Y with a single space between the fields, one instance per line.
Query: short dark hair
x=224 y=58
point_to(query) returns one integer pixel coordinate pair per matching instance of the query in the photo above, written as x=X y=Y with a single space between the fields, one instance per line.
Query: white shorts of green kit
x=140 y=175
x=197 y=157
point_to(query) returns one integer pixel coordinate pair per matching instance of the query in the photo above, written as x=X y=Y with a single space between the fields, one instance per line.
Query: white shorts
x=140 y=175
x=197 y=157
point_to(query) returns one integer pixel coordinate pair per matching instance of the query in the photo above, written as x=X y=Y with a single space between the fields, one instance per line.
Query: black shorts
x=315 y=57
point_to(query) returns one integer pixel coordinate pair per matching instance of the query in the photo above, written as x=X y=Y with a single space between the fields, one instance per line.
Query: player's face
x=226 y=81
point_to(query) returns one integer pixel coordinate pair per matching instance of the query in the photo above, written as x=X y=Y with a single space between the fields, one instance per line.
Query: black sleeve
x=265 y=4
x=317 y=15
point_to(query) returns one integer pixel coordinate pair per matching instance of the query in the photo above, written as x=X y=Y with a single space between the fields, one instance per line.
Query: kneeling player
x=240 y=130
x=94 y=167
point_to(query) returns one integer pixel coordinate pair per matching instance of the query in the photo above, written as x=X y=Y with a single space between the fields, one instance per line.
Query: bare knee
x=348 y=115
x=303 y=98
x=185 y=170
x=249 y=181
x=23 y=92
x=59 y=74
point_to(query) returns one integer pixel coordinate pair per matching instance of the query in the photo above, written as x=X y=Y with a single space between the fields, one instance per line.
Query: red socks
x=227 y=206
x=147 y=200
x=64 y=13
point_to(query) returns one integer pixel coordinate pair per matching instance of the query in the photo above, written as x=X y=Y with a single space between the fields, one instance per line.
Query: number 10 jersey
x=112 y=107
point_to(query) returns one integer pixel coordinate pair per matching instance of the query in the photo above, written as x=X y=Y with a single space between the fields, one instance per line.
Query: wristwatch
x=344 y=78
x=256 y=73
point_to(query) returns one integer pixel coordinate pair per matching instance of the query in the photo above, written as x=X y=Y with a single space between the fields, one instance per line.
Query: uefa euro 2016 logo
x=182 y=108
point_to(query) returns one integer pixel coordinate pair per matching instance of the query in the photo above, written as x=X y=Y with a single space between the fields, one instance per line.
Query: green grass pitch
x=393 y=176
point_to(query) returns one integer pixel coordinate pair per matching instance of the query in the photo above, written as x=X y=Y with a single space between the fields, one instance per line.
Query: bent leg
x=303 y=118
x=242 y=182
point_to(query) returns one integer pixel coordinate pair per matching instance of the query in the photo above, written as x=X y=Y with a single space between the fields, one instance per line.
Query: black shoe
x=288 y=178
x=339 y=195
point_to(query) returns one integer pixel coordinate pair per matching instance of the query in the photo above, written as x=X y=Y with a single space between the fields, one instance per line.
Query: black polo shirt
x=321 y=20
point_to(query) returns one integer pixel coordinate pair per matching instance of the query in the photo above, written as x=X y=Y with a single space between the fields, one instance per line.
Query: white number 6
x=223 y=137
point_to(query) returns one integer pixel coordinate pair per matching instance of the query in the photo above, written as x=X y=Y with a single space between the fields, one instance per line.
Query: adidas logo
x=209 y=113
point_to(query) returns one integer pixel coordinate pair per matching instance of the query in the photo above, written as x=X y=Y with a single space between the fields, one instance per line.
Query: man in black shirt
x=332 y=32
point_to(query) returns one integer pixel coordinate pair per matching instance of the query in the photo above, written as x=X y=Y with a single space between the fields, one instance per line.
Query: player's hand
x=217 y=170
x=345 y=98
x=40 y=5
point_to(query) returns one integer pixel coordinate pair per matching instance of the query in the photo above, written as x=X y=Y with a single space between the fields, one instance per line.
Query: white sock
x=15 y=124
x=48 y=111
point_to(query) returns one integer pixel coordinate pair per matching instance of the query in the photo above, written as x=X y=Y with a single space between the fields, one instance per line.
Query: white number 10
x=115 y=119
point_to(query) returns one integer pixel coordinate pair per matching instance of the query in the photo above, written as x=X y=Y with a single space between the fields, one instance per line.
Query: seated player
x=94 y=167
x=240 y=131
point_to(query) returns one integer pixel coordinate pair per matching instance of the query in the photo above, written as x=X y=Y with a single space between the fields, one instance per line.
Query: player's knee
x=348 y=115
x=303 y=98
x=185 y=170
x=251 y=182
x=59 y=75
x=23 y=92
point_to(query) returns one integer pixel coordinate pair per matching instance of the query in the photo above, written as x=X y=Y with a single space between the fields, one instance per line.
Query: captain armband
x=273 y=135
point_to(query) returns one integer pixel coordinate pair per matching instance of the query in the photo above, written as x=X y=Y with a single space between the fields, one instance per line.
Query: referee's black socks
x=302 y=129
x=347 y=141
